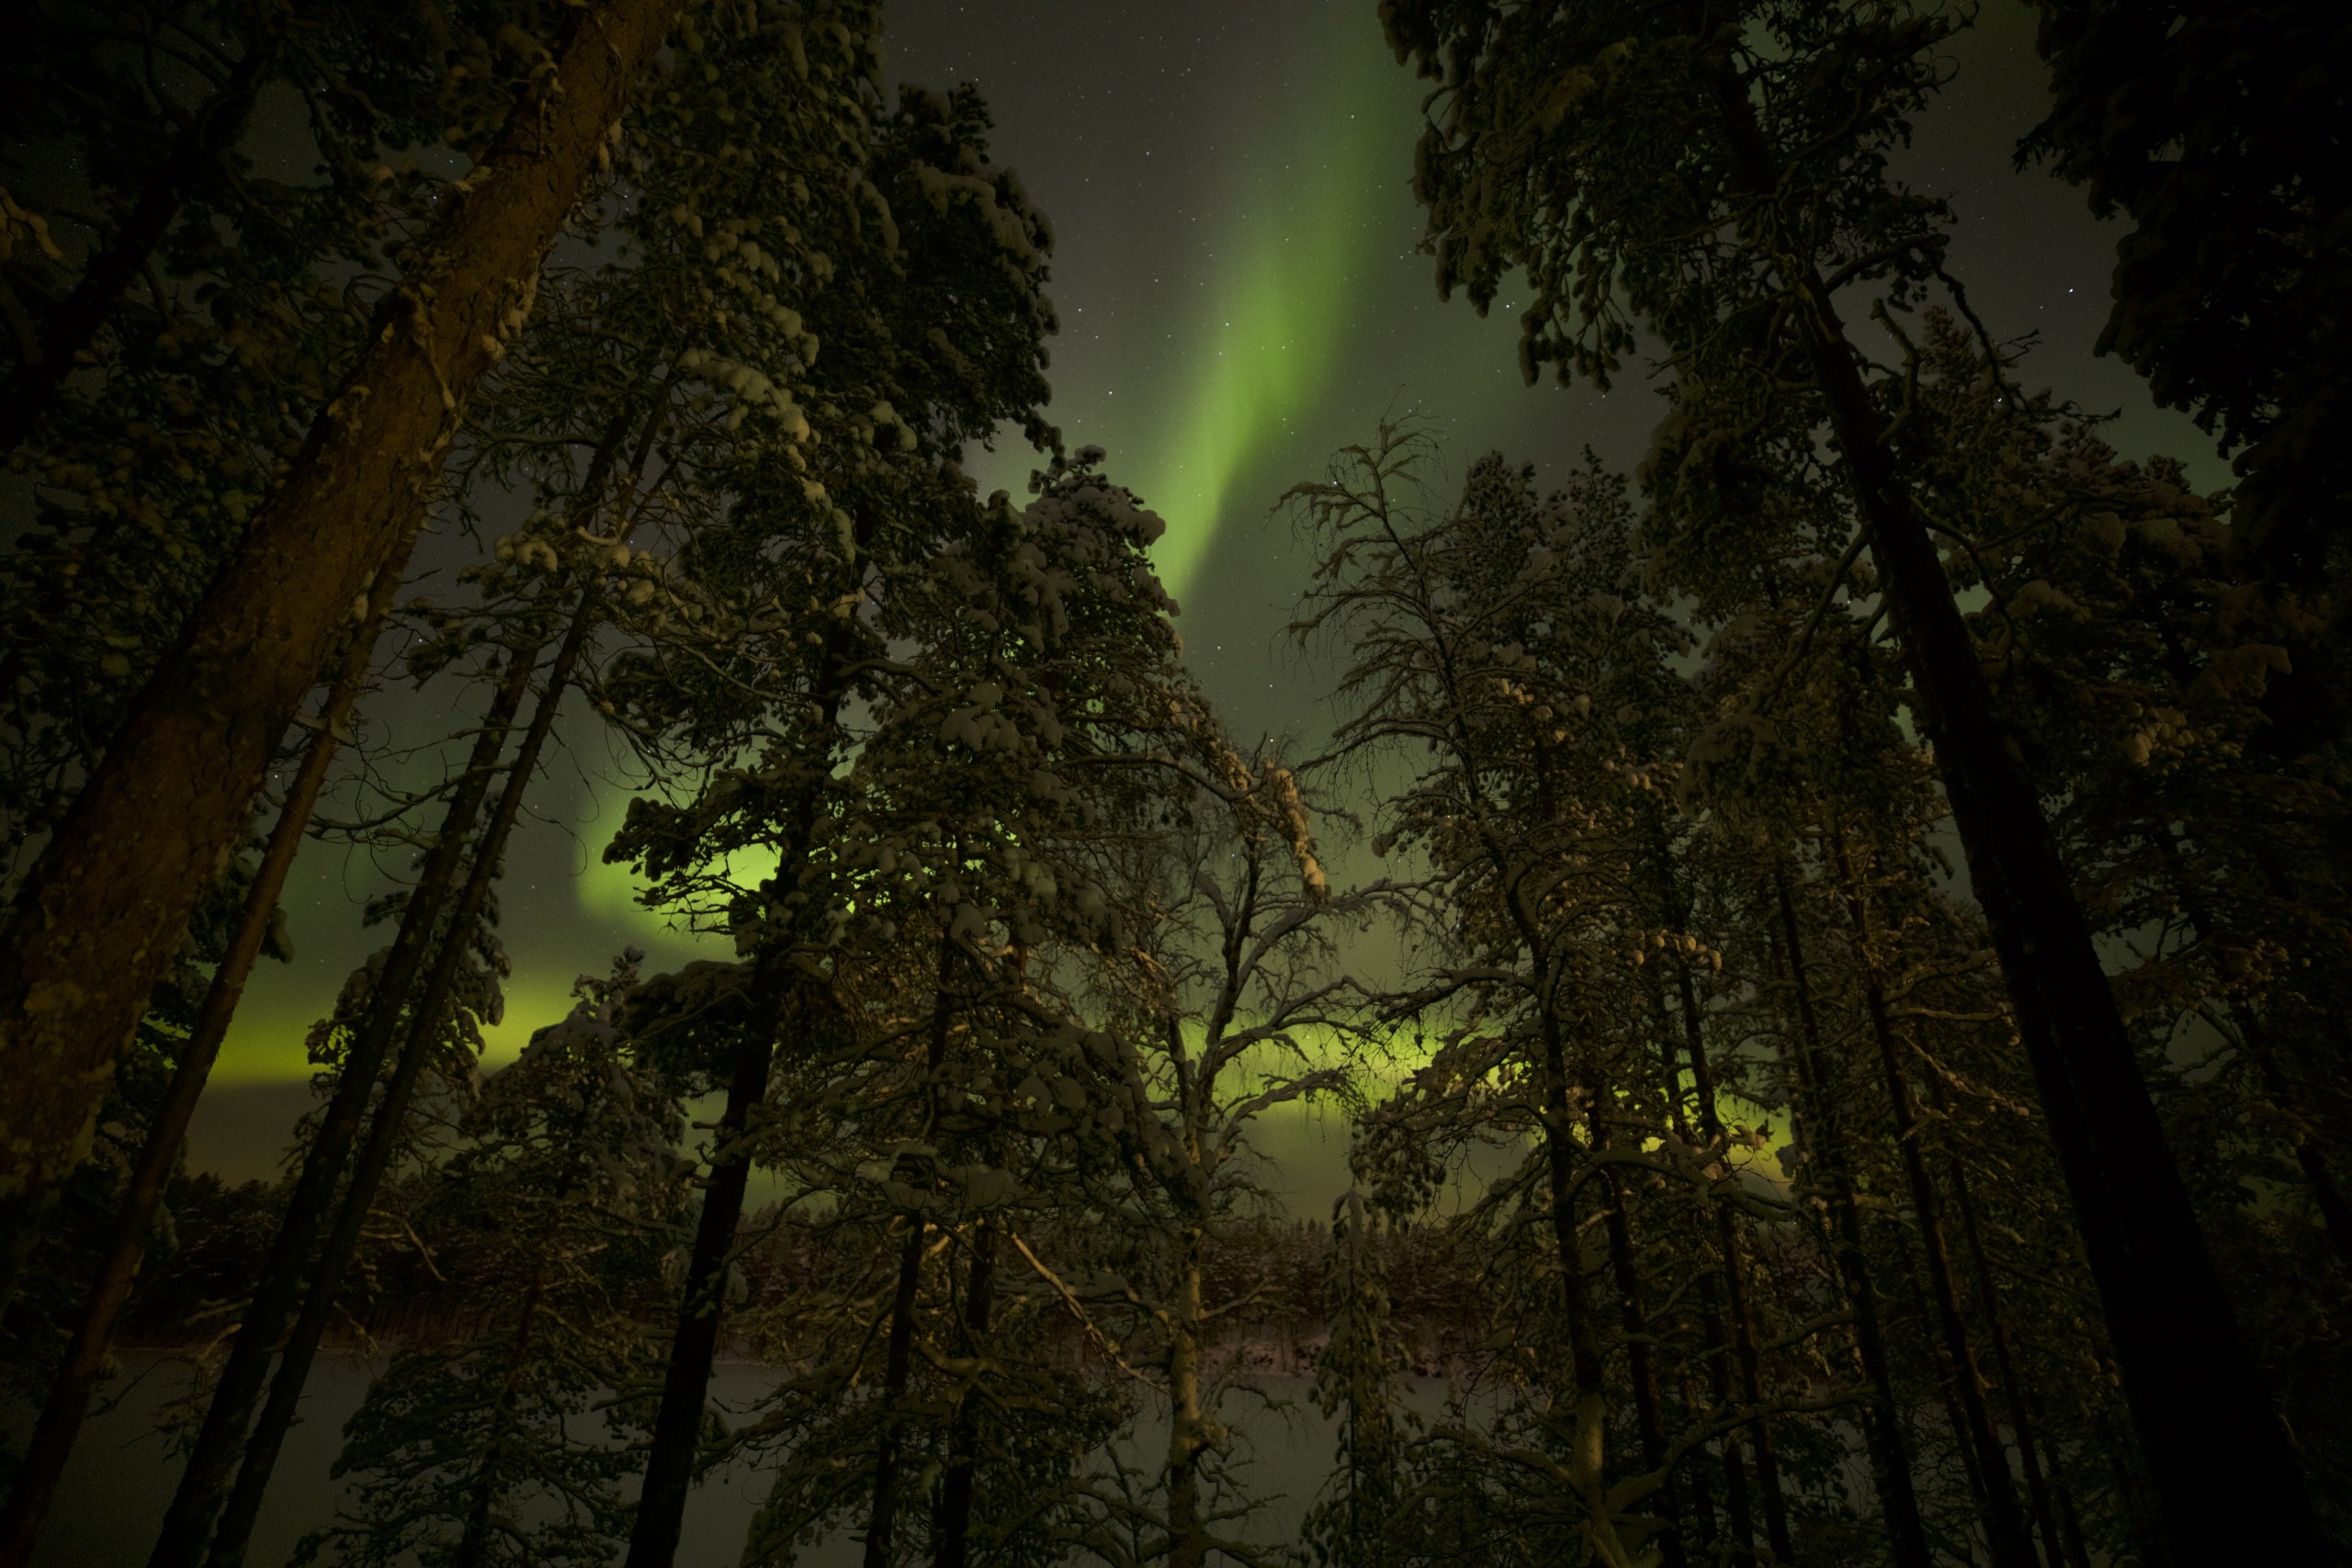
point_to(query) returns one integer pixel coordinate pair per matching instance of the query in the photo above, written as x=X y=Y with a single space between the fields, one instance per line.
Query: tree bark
x=2230 y=1483
x=1890 y=1460
x=86 y=1354
x=96 y=922
x=234 y=1532
x=188 y=1522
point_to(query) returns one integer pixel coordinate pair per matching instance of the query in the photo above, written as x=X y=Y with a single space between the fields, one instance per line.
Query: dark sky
x=1239 y=295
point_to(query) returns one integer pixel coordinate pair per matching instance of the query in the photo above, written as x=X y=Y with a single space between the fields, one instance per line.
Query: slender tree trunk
x=1187 y=1434
x=188 y=1522
x=2230 y=1483
x=1890 y=1461
x=1988 y=1306
x=97 y=920
x=1734 y=1285
x=677 y=1438
x=897 y=1359
x=425 y=1023
x=2005 y=1526
x=1624 y=1268
x=75 y=325
x=475 y=1538
x=686 y=1387
x=86 y=1354
x=1588 y=1458
x=964 y=1439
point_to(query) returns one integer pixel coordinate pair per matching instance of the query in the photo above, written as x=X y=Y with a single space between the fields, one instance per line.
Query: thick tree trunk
x=425 y=1023
x=964 y=1438
x=2230 y=1483
x=188 y=1523
x=2005 y=1526
x=1882 y=1429
x=75 y=325
x=86 y=1354
x=97 y=920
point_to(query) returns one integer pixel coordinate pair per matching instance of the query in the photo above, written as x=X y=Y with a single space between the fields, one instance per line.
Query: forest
x=1829 y=948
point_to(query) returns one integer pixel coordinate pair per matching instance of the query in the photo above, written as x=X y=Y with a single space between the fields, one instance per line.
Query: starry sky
x=1240 y=293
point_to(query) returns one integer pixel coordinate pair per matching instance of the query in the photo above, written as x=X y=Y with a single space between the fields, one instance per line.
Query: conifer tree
x=1717 y=176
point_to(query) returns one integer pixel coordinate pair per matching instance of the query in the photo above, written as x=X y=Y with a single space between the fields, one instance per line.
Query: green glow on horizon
x=1265 y=346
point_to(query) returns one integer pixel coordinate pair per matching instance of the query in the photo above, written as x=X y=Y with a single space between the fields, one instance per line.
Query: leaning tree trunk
x=96 y=922
x=188 y=1522
x=426 y=1015
x=1882 y=1428
x=86 y=1354
x=2230 y=1483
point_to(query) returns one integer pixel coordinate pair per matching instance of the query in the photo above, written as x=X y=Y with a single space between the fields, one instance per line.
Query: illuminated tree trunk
x=1890 y=1461
x=86 y=1354
x=100 y=917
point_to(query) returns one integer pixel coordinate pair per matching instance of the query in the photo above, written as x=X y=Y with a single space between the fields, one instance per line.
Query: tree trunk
x=424 y=1025
x=74 y=326
x=686 y=1385
x=1188 y=1428
x=964 y=1439
x=2230 y=1483
x=86 y=1354
x=1588 y=1462
x=1734 y=1308
x=671 y=1446
x=188 y=1523
x=96 y=922
x=1649 y=1422
x=474 y=1540
x=1890 y=1461
x=2005 y=1527
x=897 y=1359
x=1988 y=1306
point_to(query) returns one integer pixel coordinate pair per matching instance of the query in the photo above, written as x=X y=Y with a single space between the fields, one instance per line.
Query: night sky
x=1240 y=293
